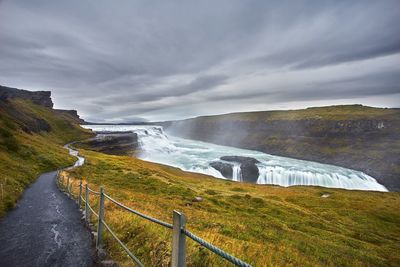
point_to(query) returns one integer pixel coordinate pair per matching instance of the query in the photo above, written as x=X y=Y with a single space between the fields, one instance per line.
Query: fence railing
x=178 y=227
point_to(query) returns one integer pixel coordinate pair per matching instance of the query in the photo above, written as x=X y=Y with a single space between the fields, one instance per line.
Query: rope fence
x=93 y=192
x=178 y=227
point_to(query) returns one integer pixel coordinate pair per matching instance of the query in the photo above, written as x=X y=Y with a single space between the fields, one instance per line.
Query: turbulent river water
x=196 y=156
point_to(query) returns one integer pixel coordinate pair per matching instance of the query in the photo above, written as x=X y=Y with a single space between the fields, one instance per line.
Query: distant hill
x=32 y=135
x=353 y=136
x=120 y=123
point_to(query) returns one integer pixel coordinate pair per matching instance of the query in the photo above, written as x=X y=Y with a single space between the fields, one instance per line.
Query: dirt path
x=45 y=229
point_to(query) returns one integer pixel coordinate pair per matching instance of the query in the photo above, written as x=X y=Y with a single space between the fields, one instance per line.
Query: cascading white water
x=237 y=173
x=337 y=179
x=196 y=156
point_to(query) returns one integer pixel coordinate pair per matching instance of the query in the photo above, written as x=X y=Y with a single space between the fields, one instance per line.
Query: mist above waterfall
x=351 y=136
x=196 y=156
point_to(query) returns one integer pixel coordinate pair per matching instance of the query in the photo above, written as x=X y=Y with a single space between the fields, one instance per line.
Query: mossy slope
x=31 y=140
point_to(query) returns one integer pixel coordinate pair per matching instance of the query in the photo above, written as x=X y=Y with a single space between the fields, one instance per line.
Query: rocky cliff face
x=356 y=137
x=122 y=144
x=72 y=114
x=42 y=98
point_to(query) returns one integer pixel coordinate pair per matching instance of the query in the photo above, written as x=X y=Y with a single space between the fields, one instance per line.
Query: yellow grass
x=263 y=225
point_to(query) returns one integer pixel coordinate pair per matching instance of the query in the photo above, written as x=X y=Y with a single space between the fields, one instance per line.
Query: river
x=196 y=156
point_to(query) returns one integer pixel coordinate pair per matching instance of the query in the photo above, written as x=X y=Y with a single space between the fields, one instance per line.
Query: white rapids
x=195 y=156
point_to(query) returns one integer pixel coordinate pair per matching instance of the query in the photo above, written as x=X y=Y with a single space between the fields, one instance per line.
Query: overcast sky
x=158 y=60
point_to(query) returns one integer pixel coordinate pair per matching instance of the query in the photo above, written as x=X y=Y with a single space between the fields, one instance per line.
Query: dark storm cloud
x=329 y=55
x=200 y=83
x=172 y=59
x=366 y=85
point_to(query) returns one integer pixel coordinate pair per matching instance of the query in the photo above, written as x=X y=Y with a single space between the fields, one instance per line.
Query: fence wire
x=167 y=225
x=187 y=233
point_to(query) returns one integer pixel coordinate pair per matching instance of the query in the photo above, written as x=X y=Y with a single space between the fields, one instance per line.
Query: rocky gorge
x=357 y=137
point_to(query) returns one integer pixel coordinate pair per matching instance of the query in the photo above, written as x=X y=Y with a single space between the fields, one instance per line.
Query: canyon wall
x=356 y=137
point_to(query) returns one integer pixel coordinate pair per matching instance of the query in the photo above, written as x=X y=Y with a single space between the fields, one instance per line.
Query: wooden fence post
x=80 y=194
x=178 y=240
x=67 y=187
x=87 y=211
x=100 y=225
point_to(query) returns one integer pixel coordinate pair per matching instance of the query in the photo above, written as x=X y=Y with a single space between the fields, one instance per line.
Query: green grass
x=264 y=225
x=339 y=112
x=23 y=155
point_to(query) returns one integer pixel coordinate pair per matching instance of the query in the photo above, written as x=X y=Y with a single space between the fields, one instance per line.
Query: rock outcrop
x=248 y=167
x=113 y=143
x=240 y=159
x=224 y=168
x=29 y=123
x=72 y=114
x=42 y=98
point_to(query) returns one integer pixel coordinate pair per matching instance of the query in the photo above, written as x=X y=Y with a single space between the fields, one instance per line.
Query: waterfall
x=196 y=156
x=279 y=176
x=237 y=173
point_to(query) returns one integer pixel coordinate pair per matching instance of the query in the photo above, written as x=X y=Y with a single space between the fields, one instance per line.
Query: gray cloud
x=174 y=59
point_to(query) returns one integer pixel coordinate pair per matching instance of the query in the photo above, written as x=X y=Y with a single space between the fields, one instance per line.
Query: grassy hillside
x=354 y=136
x=31 y=140
x=338 y=113
x=264 y=225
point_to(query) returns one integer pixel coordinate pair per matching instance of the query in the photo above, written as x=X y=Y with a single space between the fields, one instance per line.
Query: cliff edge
x=41 y=98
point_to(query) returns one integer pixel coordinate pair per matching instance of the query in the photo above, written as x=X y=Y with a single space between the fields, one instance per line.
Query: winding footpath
x=45 y=228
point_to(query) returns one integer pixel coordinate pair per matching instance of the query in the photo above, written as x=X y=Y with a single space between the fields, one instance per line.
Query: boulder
x=250 y=172
x=240 y=159
x=248 y=167
x=197 y=199
x=224 y=168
